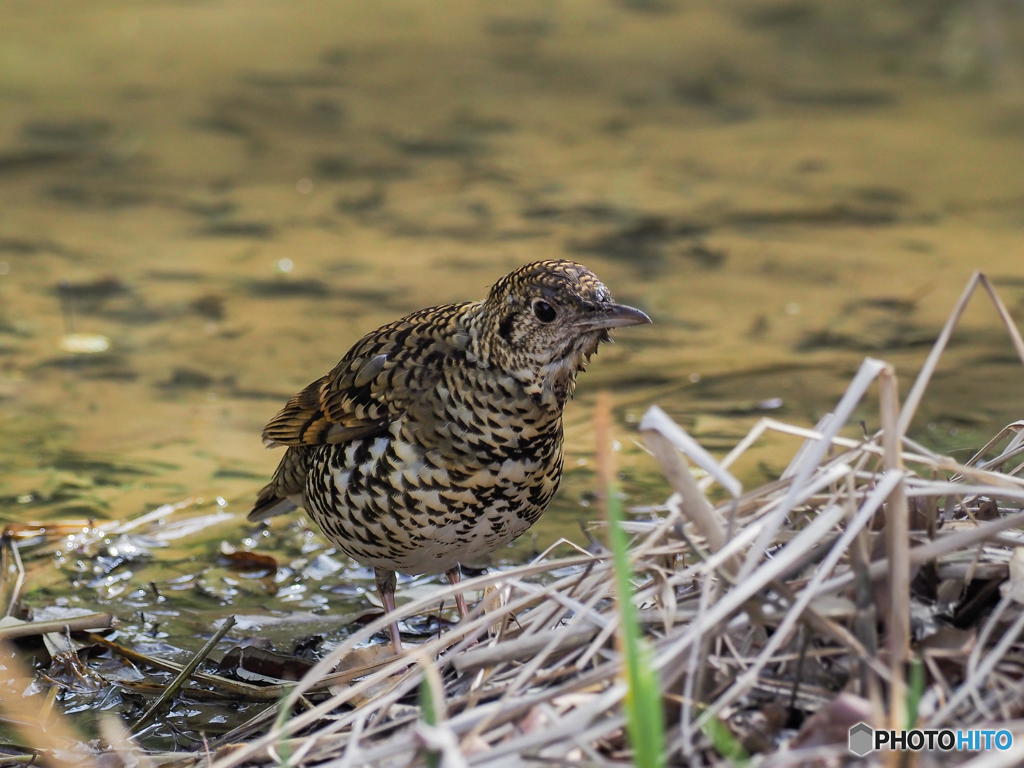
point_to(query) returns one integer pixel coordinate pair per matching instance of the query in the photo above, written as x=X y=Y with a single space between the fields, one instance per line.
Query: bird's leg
x=386 y=582
x=454 y=577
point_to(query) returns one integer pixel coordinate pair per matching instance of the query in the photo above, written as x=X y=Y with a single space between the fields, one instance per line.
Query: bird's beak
x=615 y=316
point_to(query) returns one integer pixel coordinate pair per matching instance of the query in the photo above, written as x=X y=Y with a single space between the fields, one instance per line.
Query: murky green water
x=228 y=193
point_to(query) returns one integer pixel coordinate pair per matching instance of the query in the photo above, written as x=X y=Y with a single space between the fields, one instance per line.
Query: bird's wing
x=376 y=382
x=282 y=493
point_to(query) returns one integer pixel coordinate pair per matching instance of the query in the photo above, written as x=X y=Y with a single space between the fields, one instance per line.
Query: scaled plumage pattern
x=438 y=437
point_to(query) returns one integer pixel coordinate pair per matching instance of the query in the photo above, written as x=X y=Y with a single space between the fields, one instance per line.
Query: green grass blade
x=430 y=704
x=724 y=742
x=644 y=715
x=915 y=690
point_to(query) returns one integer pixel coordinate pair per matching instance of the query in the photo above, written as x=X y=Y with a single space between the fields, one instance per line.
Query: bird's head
x=544 y=321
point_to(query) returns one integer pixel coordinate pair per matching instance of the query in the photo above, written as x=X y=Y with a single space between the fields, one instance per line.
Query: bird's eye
x=544 y=311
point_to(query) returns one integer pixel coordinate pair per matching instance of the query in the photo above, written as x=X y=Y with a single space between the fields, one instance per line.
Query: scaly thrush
x=438 y=437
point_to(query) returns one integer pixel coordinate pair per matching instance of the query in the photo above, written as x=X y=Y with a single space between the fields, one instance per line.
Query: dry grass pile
x=873 y=580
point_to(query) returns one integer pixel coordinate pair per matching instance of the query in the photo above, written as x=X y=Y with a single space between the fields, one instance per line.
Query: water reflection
x=205 y=205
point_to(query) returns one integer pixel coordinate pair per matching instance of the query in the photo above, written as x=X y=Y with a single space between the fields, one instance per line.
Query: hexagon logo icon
x=861 y=739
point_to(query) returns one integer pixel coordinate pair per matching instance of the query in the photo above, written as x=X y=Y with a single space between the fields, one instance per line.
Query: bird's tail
x=284 y=491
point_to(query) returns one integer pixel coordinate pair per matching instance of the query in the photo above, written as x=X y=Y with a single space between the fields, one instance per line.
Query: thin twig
x=172 y=689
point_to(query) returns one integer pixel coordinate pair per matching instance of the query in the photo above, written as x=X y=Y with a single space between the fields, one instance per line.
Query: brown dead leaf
x=831 y=724
x=535 y=720
x=949 y=643
x=360 y=662
x=258 y=665
x=246 y=561
x=758 y=729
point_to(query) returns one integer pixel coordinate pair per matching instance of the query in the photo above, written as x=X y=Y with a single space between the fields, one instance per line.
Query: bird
x=438 y=437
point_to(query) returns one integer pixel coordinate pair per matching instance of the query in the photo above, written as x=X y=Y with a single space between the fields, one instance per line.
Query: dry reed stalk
x=119 y=740
x=897 y=544
x=90 y=621
x=472 y=628
x=53 y=735
x=12 y=572
x=867 y=373
x=665 y=440
x=783 y=631
x=924 y=376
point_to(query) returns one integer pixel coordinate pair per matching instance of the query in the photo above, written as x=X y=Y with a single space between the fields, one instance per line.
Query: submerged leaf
x=256 y=665
x=253 y=563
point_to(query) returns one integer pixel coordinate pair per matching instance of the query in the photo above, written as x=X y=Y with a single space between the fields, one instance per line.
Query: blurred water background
x=205 y=203
x=217 y=198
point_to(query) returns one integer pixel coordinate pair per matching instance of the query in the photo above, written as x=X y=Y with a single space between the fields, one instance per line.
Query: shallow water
x=220 y=197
